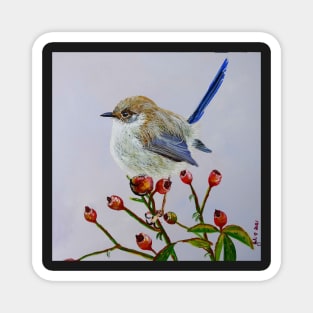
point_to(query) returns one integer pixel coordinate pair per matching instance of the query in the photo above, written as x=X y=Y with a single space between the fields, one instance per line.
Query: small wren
x=147 y=139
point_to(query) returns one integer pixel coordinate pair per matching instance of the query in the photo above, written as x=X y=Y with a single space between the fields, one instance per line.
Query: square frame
x=156 y=42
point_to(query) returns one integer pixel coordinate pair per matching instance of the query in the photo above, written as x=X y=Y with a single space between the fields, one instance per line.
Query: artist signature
x=255 y=233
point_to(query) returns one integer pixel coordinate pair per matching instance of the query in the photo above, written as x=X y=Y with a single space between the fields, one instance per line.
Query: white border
x=274 y=46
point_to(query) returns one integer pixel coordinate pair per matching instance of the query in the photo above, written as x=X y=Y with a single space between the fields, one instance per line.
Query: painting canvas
x=156 y=156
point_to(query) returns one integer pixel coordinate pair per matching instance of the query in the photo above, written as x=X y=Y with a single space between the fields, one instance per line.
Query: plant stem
x=154 y=251
x=120 y=247
x=145 y=202
x=139 y=219
x=202 y=208
x=211 y=253
x=167 y=239
x=152 y=209
x=195 y=196
x=98 y=252
x=181 y=225
x=205 y=235
x=151 y=201
x=205 y=199
x=144 y=255
x=107 y=233
x=163 y=203
x=185 y=227
x=158 y=223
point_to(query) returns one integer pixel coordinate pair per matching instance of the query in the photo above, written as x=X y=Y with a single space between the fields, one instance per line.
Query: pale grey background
x=23 y=22
x=84 y=173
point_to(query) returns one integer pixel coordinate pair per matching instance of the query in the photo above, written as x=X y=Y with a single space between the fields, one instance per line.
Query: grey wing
x=171 y=147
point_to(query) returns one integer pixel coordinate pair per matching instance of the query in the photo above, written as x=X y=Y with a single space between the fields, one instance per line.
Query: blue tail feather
x=212 y=90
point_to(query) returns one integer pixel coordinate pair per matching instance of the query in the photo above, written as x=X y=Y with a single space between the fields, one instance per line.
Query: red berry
x=90 y=214
x=141 y=185
x=144 y=241
x=215 y=178
x=220 y=218
x=163 y=186
x=115 y=203
x=186 y=177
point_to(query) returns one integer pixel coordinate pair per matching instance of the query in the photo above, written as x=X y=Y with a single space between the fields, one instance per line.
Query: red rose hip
x=163 y=186
x=220 y=218
x=115 y=203
x=144 y=241
x=141 y=185
x=215 y=178
x=90 y=214
x=186 y=177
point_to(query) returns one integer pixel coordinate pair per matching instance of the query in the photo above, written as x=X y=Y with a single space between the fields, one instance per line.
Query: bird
x=149 y=140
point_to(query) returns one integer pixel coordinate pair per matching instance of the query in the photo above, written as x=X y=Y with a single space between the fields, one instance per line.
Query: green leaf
x=229 y=249
x=136 y=199
x=165 y=253
x=196 y=216
x=203 y=228
x=159 y=236
x=191 y=197
x=199 y=243
x=219 y=246
x=238 y=233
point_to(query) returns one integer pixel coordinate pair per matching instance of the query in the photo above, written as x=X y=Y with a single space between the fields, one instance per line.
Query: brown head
x=129 y=109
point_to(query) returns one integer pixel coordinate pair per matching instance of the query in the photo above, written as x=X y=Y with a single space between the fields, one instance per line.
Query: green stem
x=205 y=199
x=107 y=233
x=151 y=202
x=154 y=251
x=202 y=208
x=152 y=209
x=145 y=255
x=185 y=227
x=195 y=196
x=148 y=203
x=139 y=219
x=167 y=239
x=98 y=252
x=163 y=203
x=205 y=235
x=181 y=225
x=211 y=253
x=198 y=208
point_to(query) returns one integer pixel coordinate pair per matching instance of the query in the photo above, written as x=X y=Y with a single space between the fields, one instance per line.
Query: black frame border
x=222 y=47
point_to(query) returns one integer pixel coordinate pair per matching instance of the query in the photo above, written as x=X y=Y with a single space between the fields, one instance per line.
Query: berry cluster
x=145 y=190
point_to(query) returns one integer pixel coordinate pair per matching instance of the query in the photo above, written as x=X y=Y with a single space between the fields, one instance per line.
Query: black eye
x=125 y=113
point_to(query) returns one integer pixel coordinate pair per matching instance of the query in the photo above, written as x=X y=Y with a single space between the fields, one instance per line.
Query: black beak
x=107 y=114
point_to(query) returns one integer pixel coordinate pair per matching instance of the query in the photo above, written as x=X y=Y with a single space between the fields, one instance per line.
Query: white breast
x=125 y=146
x=133 y=158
